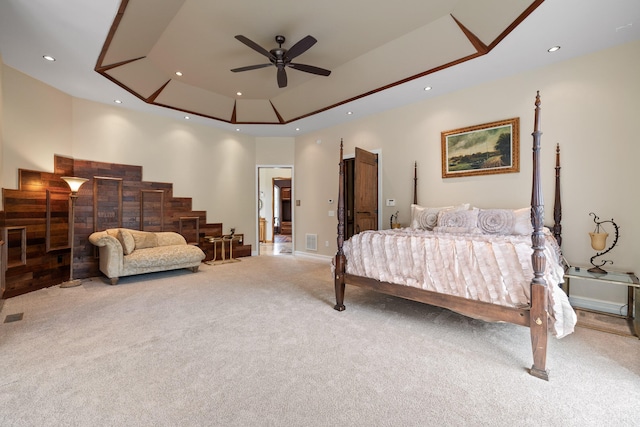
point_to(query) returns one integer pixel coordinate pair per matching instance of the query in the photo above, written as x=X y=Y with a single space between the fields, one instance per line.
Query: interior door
x=365 y=183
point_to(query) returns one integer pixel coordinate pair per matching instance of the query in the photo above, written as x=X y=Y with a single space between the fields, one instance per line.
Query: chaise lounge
x=125 y=252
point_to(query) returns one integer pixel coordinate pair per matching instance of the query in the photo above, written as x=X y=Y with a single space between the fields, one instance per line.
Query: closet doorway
x=275 y=210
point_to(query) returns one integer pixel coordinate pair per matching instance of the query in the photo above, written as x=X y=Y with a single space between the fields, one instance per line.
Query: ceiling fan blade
x=282 y=77
x=251 y=67
x=255 y=46
x=310 y=69
x=300 y=48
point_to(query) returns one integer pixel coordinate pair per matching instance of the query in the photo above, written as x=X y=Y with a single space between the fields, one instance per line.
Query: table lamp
x=599 y=242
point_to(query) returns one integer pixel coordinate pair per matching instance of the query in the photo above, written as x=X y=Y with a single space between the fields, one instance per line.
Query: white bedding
x=491 y=268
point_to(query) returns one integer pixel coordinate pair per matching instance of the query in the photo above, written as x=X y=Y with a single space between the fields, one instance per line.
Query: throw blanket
x=490 y=268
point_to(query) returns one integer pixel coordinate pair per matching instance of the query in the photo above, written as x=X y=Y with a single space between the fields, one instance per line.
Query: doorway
x=275 y=210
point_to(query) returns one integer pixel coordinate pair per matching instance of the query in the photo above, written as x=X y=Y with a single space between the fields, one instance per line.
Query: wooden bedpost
x=340 y=260
x=557 y=204
x=415 y=183
x=539 y=291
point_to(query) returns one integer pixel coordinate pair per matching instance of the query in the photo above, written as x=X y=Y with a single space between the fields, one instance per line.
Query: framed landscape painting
x=485 y=149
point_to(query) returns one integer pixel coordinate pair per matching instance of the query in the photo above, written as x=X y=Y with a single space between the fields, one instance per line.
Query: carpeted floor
x=257 y=343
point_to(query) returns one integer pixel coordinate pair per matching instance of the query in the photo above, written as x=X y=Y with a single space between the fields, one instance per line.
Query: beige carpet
x=257 y=343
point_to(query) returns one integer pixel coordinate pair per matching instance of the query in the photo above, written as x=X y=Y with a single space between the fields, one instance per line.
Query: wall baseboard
x=599 y=305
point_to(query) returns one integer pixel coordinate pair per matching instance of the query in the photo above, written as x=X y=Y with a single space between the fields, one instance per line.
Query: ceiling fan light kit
x=281 y=58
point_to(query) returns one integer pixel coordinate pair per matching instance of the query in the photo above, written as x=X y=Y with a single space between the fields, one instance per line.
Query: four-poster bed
x=516 y=282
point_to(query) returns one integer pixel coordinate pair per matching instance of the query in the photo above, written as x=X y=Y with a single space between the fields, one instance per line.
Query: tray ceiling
x=367 y=48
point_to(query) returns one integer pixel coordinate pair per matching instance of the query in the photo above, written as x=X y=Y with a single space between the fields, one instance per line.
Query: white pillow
x=523 y=221
x=460 y=221
x=505 y=221
x=424 y=218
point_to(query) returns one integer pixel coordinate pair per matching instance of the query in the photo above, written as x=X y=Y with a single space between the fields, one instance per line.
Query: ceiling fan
x=281 y=58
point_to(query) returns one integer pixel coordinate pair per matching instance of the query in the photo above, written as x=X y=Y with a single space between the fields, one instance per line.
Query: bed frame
x=535 y=317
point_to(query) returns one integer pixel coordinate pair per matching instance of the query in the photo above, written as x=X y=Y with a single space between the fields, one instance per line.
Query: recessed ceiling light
x=427 y=88
x=179 y=73
x=49 y=58
x=297 y=129
x=239 y=93
x=187 y=117
x=117 y=101
x=349 y=113
x=237 y=129
x=553 y=49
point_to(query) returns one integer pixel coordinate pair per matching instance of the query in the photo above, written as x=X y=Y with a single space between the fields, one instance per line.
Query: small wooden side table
x=629 y=279
x=223 y=241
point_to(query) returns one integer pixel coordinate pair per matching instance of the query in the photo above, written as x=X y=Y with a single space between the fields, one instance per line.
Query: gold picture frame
x=485 y=149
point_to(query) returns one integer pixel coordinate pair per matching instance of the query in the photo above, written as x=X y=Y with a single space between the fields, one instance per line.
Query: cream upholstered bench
x=125 y=252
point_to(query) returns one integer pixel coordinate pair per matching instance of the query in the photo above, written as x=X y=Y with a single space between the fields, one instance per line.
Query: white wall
x=589 y=106
x=1 y=130
x=37 y=124
x=213 y=167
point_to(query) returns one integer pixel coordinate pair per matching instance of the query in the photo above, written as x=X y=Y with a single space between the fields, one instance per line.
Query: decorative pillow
x=458 y=218
x=496 y=221
x=505 y=221
x=144 y=239
x=424 y=218
x=126 y=240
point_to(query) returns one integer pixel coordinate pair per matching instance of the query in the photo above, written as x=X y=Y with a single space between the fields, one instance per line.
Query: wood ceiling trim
x=103 y=69
x=151 y=99
x=480 y=47
x=111 y=34
x=516 y=22
x=275 y=110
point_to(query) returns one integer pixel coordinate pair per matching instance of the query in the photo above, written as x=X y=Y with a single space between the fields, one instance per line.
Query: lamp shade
x=598 y=240
x=74 y=183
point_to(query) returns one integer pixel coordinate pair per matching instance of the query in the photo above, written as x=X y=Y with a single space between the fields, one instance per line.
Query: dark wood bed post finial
x=557 y=204
x=539 y=291
x=340 y=260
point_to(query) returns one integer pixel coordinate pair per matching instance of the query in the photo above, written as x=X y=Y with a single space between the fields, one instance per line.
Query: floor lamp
x=74 y=184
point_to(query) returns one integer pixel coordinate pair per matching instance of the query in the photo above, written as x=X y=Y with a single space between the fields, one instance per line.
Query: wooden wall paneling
x=29 y=180
x=152 y=210
x=58 y=231
x=2 y=269
x=15 y=249
x=190 y=229
x=29 y=266
x=116 y=197
x=107 y=202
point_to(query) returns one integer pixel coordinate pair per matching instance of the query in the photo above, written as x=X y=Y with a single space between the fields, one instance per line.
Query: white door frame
x=257 y=211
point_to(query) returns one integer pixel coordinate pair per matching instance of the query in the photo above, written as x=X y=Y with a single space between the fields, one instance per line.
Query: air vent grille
x=312 y=242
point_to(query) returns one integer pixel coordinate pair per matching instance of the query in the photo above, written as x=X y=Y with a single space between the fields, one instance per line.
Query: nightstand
x=630 y=280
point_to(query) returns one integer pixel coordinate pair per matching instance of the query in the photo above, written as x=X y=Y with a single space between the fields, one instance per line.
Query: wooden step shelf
x=35 y=222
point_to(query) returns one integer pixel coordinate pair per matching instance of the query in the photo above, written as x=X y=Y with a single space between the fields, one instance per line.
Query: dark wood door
x=365 y=189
